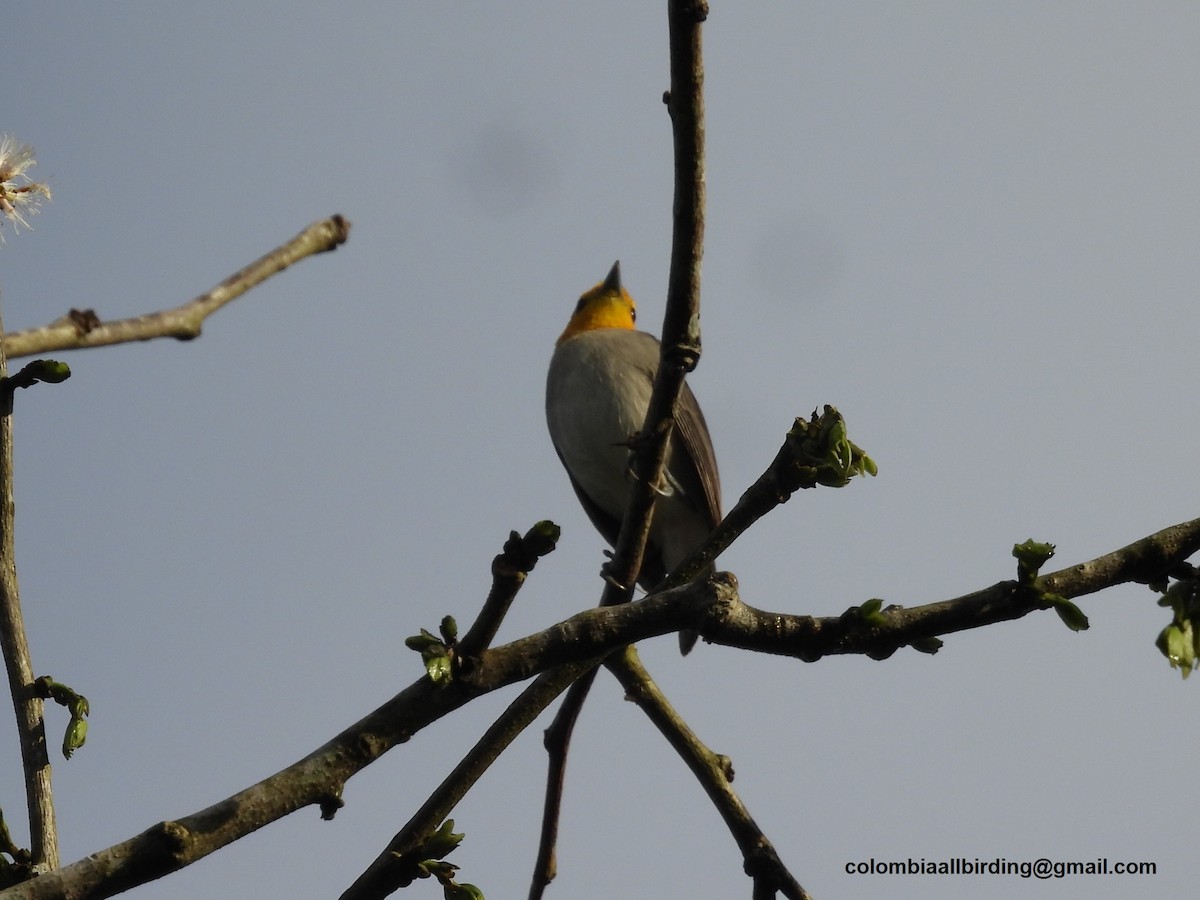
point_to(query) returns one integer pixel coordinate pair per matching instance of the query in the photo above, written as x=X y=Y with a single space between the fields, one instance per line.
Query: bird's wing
x=697 y=470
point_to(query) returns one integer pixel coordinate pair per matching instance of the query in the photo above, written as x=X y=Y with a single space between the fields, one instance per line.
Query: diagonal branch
x=80 y=329
x=714 y=772
x=388 y=871
x=319 y=778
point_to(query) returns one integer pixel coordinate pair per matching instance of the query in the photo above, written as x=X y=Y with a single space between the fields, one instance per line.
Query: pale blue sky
x=972 y=227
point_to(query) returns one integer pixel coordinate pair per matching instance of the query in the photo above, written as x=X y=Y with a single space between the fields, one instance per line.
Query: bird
x=597 y=391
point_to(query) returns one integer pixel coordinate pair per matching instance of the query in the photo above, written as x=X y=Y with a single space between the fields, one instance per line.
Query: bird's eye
x=633 y=314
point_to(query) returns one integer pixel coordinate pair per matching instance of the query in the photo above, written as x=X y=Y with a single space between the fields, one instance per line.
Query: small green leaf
x=1181 y=596
x=543 y=537
x=51 y=371
x=437 y=664
x=76 y=733
x=1071 y=614
x=1178 y=644
x=1031 y=556
x=420 y=642
x=442 y=841
x=929 y=645
x=870 y=612
x=75 y=737
x=439 y=869
x=462 y=892
x=435 y=653
x=424 y=868
x=449 y=629
x=821 y=453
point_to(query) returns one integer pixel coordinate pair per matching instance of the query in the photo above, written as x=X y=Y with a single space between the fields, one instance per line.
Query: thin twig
x=80 y=329
x=650 y=456
x=391 y=869
x=685 y=104
x=1145 y=561
x=385 y=874
x=509 y=570
x=557 y=742
x=714 y=772
x=811 y=456
x=27 y=706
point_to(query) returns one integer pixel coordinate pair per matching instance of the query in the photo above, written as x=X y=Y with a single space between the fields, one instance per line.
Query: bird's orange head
x=607 y=305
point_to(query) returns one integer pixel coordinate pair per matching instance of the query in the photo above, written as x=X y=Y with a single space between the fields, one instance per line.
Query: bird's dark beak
x=612 y=282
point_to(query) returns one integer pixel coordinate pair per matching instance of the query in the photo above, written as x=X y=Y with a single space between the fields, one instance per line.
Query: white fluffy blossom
x=20 y=195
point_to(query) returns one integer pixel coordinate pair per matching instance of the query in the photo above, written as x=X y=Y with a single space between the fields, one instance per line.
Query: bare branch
x=390 y=869
x=557 y=741
x=27 y=705
x=715 y=774
x=80 y=329
x=808 y=638
x=685 y=104
x=509 y=570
